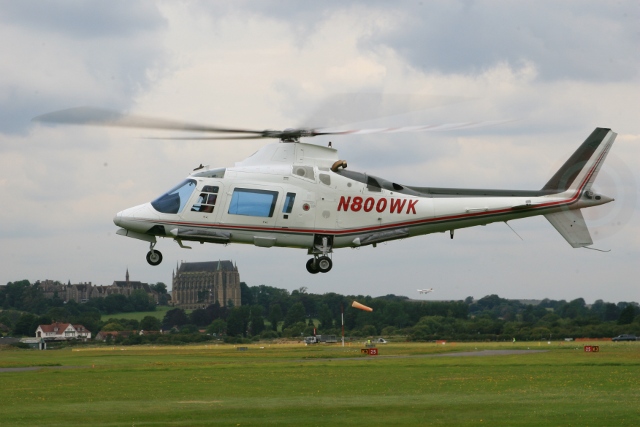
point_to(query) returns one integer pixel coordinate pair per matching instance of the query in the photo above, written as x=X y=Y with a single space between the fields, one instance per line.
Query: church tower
x=199 y=284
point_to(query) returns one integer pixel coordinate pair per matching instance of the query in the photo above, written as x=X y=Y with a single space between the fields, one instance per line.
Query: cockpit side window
x=207 y=199
x=174 y=200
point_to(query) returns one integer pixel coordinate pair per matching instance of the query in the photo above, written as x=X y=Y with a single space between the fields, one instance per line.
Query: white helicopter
x=425 y=291
x=300 y=195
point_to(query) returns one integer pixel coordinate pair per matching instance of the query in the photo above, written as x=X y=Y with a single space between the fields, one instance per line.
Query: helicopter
x=296 y=194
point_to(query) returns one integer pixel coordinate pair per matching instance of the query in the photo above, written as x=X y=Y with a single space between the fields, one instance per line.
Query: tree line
x=24 y=307
x=269 y=312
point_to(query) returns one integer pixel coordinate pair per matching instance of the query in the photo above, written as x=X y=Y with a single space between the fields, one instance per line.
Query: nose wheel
x=320 y=264
x=154 y=257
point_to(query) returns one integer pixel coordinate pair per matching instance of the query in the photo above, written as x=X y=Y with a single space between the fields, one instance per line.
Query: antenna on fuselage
x=513 y=230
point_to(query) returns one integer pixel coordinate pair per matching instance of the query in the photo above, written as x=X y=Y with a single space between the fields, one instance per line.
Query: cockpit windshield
x=174 y=200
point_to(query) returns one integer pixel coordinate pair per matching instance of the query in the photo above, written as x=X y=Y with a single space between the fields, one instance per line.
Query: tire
x=154 y=257
x=313 y=269
x=324 y=264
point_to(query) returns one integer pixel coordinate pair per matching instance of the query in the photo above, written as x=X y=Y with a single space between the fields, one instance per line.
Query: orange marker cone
x=363 y=307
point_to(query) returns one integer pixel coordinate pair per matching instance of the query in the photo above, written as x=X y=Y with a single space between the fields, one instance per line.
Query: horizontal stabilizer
x=571 y=225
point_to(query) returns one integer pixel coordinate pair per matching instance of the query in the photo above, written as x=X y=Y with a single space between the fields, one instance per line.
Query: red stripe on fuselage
x=423 y=221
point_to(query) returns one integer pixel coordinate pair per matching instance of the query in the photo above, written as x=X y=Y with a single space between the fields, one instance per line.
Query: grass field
x=291 y=384
x=159 y=313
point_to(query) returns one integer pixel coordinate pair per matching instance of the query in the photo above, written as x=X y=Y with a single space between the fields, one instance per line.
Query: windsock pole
x=342 y=315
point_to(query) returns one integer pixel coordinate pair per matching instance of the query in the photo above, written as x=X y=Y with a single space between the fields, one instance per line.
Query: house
x=63 y=331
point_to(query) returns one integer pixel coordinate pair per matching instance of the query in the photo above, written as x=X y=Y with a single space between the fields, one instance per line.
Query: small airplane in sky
x=425 y=291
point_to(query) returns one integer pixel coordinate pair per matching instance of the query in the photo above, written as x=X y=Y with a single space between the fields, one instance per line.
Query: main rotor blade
x=422 y=128
x=305 y=133
x=101 y=117
x=205 y=138
x=92 y=116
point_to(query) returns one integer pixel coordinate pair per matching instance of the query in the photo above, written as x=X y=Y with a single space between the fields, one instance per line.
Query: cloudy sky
x=558 y=69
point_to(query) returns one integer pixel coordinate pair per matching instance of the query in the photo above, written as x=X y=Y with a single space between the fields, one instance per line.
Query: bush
x=217 y=327
x=20 y=345
x=189 y=329
x=150 y=323
x=133 y=339
x=332 y=331
x=389 y=330
x=113 y=326
x=269 y=335
x=308 y=331
x=369 y=330
x=294 y=330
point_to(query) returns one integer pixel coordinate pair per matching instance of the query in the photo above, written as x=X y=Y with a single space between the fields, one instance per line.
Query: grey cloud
x=74 y=53
x=565 y=40
x=84 y=19
x=583 y=41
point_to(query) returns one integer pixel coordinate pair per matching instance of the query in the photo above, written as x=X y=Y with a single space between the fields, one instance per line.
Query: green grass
x=324 y=385
x=159 y=313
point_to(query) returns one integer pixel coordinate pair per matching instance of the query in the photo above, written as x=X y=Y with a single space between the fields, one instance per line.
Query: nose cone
x=139 y=218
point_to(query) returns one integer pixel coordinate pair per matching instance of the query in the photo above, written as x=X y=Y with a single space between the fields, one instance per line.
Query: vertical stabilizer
x=581 y=169
x=571 y=225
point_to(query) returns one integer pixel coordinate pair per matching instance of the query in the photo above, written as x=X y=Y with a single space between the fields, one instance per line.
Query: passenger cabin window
x=207 y=199
x=304 y=172
x=288 y=203
x=174 y=200
x=325 y=179
x=252 y=202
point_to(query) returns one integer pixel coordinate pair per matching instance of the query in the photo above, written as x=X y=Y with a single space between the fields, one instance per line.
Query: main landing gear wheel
x=312 y=266
x=324 y=264
x=154 y=257
x=319 y=265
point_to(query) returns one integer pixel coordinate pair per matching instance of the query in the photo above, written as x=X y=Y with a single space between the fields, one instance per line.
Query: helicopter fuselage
x=300 y=196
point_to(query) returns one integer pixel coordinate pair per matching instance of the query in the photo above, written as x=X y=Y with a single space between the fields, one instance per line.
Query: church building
x=199 y=284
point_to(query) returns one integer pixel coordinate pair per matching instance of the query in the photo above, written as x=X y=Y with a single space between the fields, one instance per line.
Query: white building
x=63 y=331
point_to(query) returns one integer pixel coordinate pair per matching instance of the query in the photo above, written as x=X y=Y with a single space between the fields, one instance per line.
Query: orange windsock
x=356 y=304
